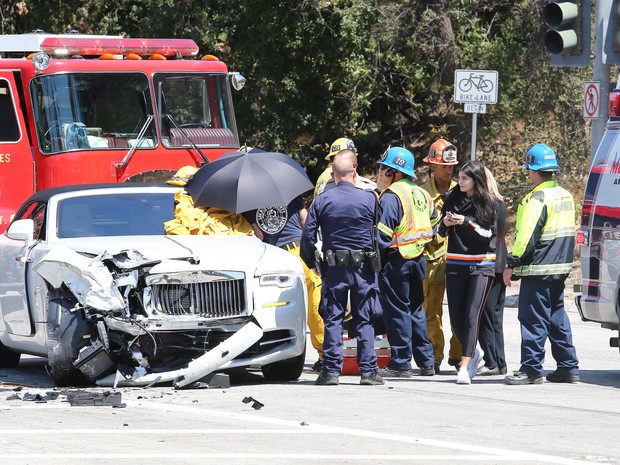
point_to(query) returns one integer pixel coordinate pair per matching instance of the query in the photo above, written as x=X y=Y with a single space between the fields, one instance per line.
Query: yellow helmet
x=340 y=144
x=182 y=176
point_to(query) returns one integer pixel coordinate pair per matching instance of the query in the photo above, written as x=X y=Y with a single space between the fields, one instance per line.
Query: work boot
x=519 y=378
x=437 y=371
x=388 y=372
x=326 y=380
x=454 y=363
x=427 y=371
x=562 y=377
x=317 y=366
x=372 y=380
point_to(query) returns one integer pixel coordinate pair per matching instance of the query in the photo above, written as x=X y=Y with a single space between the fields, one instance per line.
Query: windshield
x=195 y=108
x=133 y=214
x=91 y=111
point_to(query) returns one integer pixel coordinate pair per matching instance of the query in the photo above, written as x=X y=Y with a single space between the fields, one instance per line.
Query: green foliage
x=379 y=71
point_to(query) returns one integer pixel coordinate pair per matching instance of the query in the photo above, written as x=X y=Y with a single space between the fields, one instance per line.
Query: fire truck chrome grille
x=220 y=298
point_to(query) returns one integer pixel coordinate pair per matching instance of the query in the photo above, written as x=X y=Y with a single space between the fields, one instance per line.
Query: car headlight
x=277 y=279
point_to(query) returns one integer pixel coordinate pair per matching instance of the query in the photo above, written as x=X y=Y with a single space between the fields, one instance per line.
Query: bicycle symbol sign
x=475 y=86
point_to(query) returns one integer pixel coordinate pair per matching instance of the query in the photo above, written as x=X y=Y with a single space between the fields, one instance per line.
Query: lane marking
x=291 y=427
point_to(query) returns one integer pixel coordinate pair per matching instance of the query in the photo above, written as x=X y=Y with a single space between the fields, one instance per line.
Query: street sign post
x=476 y=89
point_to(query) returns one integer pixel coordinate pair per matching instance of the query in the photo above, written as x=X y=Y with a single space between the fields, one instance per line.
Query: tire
x=287 y=370
x=65 y=337
x=8 y=358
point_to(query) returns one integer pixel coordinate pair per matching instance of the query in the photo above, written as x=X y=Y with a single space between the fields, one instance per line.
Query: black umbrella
x=244 y=181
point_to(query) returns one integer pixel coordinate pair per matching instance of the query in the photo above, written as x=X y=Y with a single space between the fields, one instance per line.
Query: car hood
x=176 y=252
x=80 y=263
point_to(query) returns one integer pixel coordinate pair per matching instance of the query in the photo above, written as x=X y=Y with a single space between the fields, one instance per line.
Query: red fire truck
x=78 y=109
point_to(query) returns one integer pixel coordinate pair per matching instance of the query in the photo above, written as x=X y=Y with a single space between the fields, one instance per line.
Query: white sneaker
x=472 y=368
x=462 y=377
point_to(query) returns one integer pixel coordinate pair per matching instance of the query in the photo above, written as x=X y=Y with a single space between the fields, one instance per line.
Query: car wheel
x=66 y=329
x=8 y=358
x=287 y=370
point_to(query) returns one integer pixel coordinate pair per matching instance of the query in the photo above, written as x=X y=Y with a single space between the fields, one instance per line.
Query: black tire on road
x=65 y=337
x=286 y=370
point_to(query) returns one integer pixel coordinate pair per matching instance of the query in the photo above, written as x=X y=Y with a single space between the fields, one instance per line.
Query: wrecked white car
x=89 y=280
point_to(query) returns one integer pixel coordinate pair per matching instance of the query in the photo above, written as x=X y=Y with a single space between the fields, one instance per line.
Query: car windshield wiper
x=133 y=148
x=182 y=131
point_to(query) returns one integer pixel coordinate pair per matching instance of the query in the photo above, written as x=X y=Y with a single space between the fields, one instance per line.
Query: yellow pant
x=315 y=322
x=434 y=288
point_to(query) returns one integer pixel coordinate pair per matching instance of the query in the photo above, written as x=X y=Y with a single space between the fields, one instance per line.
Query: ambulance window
x=8 y=119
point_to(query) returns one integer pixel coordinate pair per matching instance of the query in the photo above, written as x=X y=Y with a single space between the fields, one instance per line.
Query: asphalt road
x=412 y=421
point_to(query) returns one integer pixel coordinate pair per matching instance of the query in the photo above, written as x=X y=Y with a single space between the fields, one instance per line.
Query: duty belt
x=344 y=258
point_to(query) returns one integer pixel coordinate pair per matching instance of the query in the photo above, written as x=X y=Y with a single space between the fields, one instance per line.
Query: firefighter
x=338 y=146
x=542 y=256
x=442 y=158
x=405 y=227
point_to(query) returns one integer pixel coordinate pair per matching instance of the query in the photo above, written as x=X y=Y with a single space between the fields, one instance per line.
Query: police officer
x=346 y=216
x=542 y=257
x=404 y=229
x=442 y=158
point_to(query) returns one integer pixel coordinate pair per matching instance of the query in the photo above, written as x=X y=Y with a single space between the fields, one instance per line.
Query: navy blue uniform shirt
x=346 y=216
x=279 y=225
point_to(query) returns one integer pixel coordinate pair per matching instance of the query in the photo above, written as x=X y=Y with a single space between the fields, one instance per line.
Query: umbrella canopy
x=240 y=182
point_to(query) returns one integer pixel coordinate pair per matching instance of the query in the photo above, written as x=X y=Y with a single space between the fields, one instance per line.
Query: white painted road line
x=478 y=453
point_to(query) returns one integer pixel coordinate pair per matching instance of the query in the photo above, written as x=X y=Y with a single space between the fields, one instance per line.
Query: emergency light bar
x=100 y=46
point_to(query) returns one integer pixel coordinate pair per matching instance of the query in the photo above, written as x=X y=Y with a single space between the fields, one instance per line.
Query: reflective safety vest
x=545 y=232
x=415 y=229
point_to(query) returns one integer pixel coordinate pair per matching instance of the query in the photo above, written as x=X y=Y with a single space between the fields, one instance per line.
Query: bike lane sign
x=475 y=86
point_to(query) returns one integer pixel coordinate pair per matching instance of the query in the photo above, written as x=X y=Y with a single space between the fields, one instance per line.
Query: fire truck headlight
x=40 y=61
x=237 y=80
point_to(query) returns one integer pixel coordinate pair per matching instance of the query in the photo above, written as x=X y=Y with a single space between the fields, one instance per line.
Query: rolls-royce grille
x=213 y=299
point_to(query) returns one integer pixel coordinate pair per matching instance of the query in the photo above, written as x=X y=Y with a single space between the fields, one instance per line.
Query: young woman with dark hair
x=469 y=222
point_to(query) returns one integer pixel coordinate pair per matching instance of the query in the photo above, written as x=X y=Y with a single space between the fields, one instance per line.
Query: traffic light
x=568 y=36
x=611 y=32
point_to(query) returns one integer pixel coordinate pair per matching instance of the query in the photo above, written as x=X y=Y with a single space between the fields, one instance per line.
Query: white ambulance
x=599 y=235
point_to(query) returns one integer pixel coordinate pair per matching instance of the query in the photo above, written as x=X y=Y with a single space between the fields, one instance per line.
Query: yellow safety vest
x=550 y=252
x=415 y=229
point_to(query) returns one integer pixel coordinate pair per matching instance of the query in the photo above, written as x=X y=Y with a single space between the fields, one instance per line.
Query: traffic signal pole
x=602 y=72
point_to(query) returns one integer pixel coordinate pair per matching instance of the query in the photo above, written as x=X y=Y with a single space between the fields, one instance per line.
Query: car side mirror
x=21 y=230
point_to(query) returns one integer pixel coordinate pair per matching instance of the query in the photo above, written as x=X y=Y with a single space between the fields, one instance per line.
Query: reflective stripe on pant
x=434 y=290
x=402 y=295
x=542 y=315
x=315 y=322
x=361 y=284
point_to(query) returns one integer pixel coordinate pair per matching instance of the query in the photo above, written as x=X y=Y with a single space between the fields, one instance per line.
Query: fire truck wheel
x=66 y=328
x=287 y=370
x=8 y=358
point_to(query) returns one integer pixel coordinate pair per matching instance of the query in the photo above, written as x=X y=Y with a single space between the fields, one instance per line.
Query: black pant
x=492 y=325
x=466 y=296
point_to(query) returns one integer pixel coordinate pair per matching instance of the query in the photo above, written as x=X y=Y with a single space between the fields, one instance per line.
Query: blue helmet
x=540 y=157
x=399 y=159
